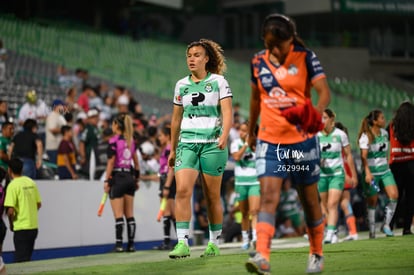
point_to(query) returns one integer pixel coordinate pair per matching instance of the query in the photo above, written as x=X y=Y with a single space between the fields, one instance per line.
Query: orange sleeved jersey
x=282 y=86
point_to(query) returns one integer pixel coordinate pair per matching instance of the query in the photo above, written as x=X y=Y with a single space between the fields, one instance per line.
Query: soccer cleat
x=372 y=235
x=352 y=237
x=330 y=238
x=334 y=238
x=211 y=250
x=315 y=264
x=387 y=231
x=181 y=250
x=257 y=264
x=130 y=247
x=407 y=232
x=245 y=246
x=118 y=248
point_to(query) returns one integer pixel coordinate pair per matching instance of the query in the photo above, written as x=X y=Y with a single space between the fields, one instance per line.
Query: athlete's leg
x=211 y=188
x=270 y=188
x=309 y=197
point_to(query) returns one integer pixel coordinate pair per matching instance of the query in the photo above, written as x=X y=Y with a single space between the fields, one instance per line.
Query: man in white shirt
x=54 y=123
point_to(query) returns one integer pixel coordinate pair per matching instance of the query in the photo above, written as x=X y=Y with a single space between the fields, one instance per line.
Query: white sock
x=389 y=211
x=254 y=235
x=215 y=236
x=182 y=234
x=371 y=219
x=245 y=236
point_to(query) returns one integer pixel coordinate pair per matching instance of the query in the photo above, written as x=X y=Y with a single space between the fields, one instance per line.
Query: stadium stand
x=152 y=68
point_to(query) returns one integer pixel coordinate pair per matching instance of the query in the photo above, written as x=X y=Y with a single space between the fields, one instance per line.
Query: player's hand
x=171 y=159
x=222 y=143
x=107 y=188
x=251 y=141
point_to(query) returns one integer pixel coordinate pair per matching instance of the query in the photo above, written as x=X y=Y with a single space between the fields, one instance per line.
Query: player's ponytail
x=128 y=130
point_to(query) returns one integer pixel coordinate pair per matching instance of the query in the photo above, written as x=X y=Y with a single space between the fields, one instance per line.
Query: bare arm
x=109 y=168
x=10 y=214
x=39 y=149
x=82 y=152
x=322 y=89
x=239 y=154
x=364 y=159
x=350 y=160
x=175 y=132
x=69 y=166
x=254 y=116
x=227 y=113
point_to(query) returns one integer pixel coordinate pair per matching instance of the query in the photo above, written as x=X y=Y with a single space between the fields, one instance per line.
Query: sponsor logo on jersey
x=208 y=88
x=292 y=70
x=267 y=81
x=264 y=71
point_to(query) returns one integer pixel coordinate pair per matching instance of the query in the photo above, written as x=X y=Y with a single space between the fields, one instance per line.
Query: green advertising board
x=387 y=6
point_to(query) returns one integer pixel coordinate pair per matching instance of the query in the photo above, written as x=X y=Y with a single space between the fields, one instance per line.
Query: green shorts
x=331 y=182
x=204 y=157
x=381 y=180
x=246 y=191
x=294 y=216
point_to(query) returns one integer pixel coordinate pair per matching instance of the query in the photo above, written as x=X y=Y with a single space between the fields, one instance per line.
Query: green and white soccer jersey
x=201 y=121
x=377 y=152
x=331 y=146
x=245 y=168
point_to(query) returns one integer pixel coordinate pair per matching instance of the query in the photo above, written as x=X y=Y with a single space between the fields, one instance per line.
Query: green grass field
x=378 y=256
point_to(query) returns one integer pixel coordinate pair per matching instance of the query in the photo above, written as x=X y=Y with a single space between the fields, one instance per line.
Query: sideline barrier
x=68 y=217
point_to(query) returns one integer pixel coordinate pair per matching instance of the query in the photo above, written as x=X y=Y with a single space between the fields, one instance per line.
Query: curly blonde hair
x=216 y=63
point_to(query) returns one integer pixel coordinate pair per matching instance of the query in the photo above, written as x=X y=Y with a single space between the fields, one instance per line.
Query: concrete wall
x=68 y=217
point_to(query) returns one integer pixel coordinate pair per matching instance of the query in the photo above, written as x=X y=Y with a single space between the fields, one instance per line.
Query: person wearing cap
x=34 y=108
x=54 y=123
x=122 y=104
x=89 y=139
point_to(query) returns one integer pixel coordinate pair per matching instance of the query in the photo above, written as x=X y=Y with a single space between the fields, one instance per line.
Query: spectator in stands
x=89 y=140
x=200 y=127
x=22 y=203
x=54 y=122
x=108 y=108
x=65 y=79
x=70 y=100
x=117 y=92
x=131 y=100
x=332 y=142
x=83 y=99
x=402 y=161
x=66 y=155
x=148 y=163
x=3 y=58
x=100 y=153
x=374 y=145
x=27 y=146
x=7 y=132
x=36 y=109
x=95 y=100
x=4 y=116
x=122 y=104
